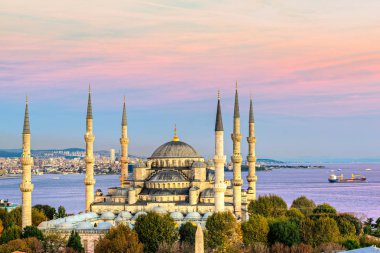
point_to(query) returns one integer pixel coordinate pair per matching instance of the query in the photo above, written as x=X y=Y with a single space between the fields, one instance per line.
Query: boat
x=355 y=178
x=368 y=169
x=56 y=178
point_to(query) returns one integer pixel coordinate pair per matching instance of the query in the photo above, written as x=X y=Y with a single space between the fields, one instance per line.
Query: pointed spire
x=124 y=119
x=218 y=122
x=236 y=108
x=175 y=137
x=26 y=118
x=89 y=106
x=251 y=118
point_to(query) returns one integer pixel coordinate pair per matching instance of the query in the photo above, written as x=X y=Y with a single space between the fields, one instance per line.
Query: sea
x=361 y=199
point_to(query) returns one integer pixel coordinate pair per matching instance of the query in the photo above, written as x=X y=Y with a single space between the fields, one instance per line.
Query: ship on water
x=355 y=178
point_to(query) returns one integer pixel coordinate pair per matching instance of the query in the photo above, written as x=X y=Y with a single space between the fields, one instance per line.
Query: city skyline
x=311 y=68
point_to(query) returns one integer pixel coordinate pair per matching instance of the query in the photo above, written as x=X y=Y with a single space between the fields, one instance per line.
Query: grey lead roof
x=124 y=119
x=219 y=122
x=89 y=106
x=26 y=129
x=175 y=149
x=236 y=108
x=251 y=118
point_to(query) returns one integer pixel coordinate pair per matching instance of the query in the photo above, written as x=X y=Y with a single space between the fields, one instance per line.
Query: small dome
x=138 y=214
x=104 y=225
x=193 y=216
x=107 y=216
x=85 y=225
x=125 y=215
x=65 y=225
x=159 y=210
x=175 y=149
x=206 y=215
x=208 y=193
x=91 y=215
x=177 y=216
x=168 y=176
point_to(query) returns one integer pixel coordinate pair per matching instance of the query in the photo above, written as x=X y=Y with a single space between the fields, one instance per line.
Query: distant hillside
x=264 y=160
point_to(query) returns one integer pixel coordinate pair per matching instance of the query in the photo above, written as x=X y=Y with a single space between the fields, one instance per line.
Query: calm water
x=362 y=199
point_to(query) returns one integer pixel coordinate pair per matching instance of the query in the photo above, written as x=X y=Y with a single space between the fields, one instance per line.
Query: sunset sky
x=312 y=68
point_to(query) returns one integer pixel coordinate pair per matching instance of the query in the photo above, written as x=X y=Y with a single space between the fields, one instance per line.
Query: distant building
x=8 y=206
x=112 y=156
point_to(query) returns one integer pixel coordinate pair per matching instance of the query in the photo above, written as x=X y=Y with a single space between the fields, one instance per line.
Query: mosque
x=174 y=180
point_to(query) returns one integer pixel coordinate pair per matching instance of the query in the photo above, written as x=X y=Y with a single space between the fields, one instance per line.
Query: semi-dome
x=176 y=216
x=125 y=215
x=107 y=216
x=193 y=216
x=168 y=176
x=175 y=149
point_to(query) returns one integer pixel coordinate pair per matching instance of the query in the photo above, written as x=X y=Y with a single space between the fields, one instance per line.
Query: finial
x=26 y=99
x=124 y=99
x=236 y=85
x=175 y=137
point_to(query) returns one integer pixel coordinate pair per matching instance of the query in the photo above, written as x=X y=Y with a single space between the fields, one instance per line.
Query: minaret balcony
x=124 y=141
x=124 y=159
x=89 y=137
x=26 y=187
x=89 y=181
x=237 y=182
x=236 y=158
x=252 y=178
x=236 y=137
x=89 y=159
x=219 y=159
x=251 y=159
x=251 y=139
x=26 y=161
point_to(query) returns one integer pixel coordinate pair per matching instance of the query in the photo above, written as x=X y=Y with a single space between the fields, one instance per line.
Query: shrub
x=295 y=215
x=285 y=232
x=326 y=230
x=74 y=242
x=187 y=233
x=305 y=205
x=351 y=244
x=268 y=206
x=10 y=233
x=32 y=231
x=255 y=230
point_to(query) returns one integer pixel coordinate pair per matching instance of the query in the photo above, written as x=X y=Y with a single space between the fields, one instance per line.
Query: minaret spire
x=89 y=138
x=26 y=186
x=251 y=158
x=219 y=160
x=236 y=158
x=124 y=148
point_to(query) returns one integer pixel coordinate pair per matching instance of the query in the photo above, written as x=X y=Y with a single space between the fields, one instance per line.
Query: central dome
x=175 y=149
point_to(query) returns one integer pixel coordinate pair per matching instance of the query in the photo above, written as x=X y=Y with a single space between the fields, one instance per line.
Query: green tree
x=305 y=205
x=14 y=217
x=255 y=230
x=32 y=231
x=224 y=232
x=154 y=229
x=268 y=206
x=346 y=228
x=10 y=233
x=285 y=232
x=38 y=217
x=307 y=231
x=295 y=215
x=14 y=245
x=1 y=227
x=351 y=244
x=326 y=230
x=53 y=242
x=120 y=239
x=61 y=212
x=74 y=242
x=187 y=233
x=324 y=209
x=352 y=219
x=49 y=211
x=378 y=223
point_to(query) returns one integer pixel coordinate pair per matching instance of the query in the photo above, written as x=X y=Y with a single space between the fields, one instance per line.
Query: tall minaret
x=219 y=160
x=236 y=158
x=26 y=185
x=251 y=178
x=124 y=148
x=89 y=181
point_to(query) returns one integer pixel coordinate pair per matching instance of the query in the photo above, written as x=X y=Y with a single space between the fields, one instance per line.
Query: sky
x=311 y=67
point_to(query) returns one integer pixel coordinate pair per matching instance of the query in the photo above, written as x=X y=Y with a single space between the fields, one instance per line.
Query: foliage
x=305 y=205
x=279 y=248
x=346 y=228
x=307 y=231
x=285 y=232
x=351 y=244
x=14 y=245
x=256 y=229
x=154 y=229
x=187 y=233
x=301 y=248
x=326 y=230
x=329 y=247
x=295 y=215
x=268 y=206
x=61 y=212
x=367 y=230
x=49 y=211
x=32 y=231
x=14 y=217
x=352 y=219
x=120 y=239
x=10 y=233
x=378 y=223
x=224 y=232
x=1 y=227
x=38 y=217
x=74 y=242
x=258 y=247
x=53 y=242
x=324 y=209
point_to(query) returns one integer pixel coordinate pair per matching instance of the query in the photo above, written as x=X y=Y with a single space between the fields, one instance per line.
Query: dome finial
x=175 y=137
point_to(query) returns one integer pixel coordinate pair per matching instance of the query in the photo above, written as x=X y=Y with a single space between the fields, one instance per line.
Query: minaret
x=26 y=185
x=219 y=160
x=251 y=158
x=89 y=181
x=236 y=158
x=124 y=148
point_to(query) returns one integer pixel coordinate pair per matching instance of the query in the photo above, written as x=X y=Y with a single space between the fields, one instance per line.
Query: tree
x=307 y=231
x=268 y=206
x=53 y=242
x=187 y=233
x=15 y=217
x=285 y=232
x=352 y=219
x=378 y=223
x=74 y=242
x=346 y=228
x=326 y=230
x=1 y=227
x=34 y=245
x=38 y=217
x=154 y=229
x=10 y=233
x=15 y=245
x=295 y=215
x=255 y=230
x=32 y=231
x=324 y=209
x=49 y=211
x=351 y=244
x=224 y=232
x=61 y=212
x=305 y=205
x=120 y=239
